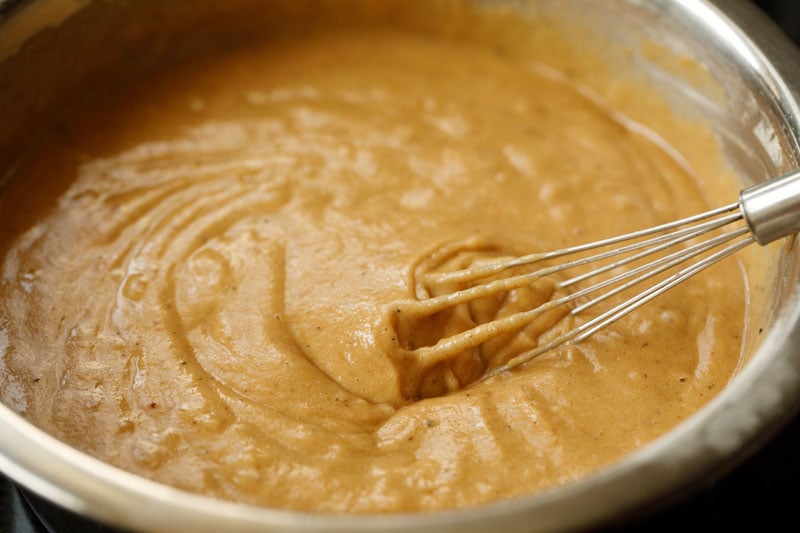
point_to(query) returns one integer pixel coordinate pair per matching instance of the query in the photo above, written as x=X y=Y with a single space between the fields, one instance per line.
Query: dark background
x=763 y=494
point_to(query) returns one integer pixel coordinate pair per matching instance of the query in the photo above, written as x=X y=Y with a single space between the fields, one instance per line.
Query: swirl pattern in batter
x=197 y=274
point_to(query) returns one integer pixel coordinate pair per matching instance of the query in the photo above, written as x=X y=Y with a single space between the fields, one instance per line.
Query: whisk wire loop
x=603 y=320
x=652 y=260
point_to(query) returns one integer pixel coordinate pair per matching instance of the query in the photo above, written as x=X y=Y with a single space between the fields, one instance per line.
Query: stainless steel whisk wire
x=766 y=212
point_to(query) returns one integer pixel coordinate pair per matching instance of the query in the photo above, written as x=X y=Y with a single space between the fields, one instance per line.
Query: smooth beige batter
x=200 y=278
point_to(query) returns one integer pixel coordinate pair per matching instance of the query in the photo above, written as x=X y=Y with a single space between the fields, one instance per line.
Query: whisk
x=763 y=214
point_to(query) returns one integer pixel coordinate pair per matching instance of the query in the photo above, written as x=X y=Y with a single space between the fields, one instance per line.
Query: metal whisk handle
x=652 y=260
x=772 y=208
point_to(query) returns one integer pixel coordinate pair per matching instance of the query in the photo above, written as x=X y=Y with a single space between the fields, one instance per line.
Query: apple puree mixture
x=208 y=279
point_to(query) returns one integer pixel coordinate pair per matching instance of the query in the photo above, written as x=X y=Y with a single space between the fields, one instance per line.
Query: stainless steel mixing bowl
x=50 y=55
